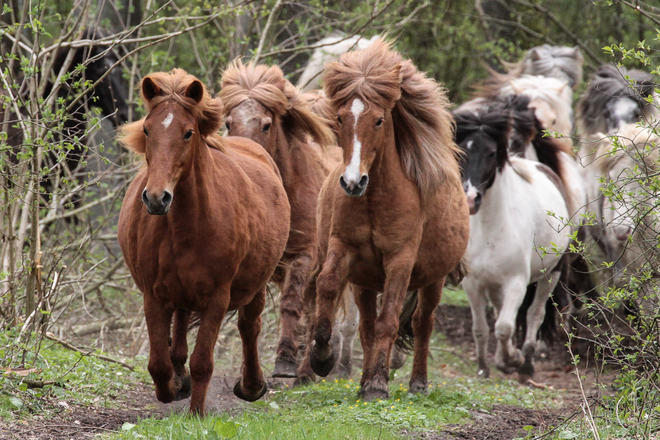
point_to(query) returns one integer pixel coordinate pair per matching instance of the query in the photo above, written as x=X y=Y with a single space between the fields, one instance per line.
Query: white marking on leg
x=352 y=172
x=168 y=120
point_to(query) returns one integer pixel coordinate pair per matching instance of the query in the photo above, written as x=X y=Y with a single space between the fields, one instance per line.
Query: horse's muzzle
x=356 y=189
x=157 y=205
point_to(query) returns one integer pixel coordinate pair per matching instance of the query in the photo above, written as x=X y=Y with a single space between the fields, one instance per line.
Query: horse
x=202 y=228
x=509 y=198
x=260 y=104
x=392 y=216
x=624 y=165
x=615 y=97
x=329 y=49
x=562 y=63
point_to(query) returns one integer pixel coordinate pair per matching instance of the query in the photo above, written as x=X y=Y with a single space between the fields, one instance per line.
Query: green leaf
x=227 y=429
x=127 y=426
x=18 y=403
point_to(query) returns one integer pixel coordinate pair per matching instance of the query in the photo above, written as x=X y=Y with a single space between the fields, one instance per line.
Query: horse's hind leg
x=423 y=319
x=367 y=302
x=160 y=365
x=346 y=331
x=201 y=361
x=508 y=358
x=305 y=372
x=291 y=310
x=251 y=386
x=535 y=315
x=179 y=352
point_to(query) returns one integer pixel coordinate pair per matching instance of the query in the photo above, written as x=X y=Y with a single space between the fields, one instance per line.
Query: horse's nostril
x=145 y=198
x=364 y=181
x=342 y=182
x=167 y=198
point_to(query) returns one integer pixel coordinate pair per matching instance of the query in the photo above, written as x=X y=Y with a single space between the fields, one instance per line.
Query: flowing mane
x=267 y=86
x=495 y=124
x=422 y=124
x=611 y=82
x=563 y=63
x=172 y=86
x=637 y=144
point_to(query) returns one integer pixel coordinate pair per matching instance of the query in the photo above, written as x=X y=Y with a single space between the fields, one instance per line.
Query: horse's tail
x=405 y=339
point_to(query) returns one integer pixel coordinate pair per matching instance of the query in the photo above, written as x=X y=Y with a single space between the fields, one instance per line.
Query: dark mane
x=610 y=82
x=172 y=86
x=267 y=86
x=493 y=121
x=422 y=124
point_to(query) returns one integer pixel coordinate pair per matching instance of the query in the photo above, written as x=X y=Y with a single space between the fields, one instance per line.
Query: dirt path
x=502 y=423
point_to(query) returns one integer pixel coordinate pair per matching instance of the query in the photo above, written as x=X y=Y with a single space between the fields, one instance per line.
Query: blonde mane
x=267 y=86
x=172 y=86
x=423 y=127
x=639 y=145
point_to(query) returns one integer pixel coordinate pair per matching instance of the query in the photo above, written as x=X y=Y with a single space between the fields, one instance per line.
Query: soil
x=554 y=369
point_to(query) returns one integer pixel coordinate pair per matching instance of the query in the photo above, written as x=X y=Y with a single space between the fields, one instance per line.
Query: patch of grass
x=455 y=297
x=58 y=377
x=330 y=409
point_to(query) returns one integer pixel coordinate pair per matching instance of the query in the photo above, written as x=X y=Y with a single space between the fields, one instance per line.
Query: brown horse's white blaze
x=355 y=180
x=225 y=230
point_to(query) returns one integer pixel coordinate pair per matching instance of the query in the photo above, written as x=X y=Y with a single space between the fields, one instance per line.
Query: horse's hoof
x=303 y=380
x=342 y=371
x=483 y=373
x=397 y=360
x=526 y=372
x=372 y=393
x=506 y=369
x=238 y=392
x=186 y=388
x=322 y=360
x=418 y=386
x=286 y=369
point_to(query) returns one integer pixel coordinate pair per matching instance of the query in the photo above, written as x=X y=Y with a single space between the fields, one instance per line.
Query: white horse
x=563 y=63
x=623 y=165
x=330 y=48
x=513 y=240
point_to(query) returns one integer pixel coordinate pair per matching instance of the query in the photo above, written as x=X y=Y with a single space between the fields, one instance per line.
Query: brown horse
x=262 y=105
x=393 y=216
x=213 y=230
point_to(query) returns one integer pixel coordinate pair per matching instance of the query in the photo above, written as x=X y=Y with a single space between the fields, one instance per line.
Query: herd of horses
x=364 y=199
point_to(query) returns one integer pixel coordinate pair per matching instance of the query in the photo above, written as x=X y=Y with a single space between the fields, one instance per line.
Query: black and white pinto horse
x=513 y=240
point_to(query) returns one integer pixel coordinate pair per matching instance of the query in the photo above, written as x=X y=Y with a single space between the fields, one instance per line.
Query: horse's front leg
x=201 y=361
x=397 y=278
x=345 y=332
x=367 y=303
x=291 y=310
x=329 y=285
x=252 y=385
x=423 y=319
x=480 y=329
x=305 y=372
x=160 y=365
x=179 y=352
x=535 y=315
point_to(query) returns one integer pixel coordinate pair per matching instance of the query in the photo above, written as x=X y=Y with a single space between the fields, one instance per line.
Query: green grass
x=454 y=297
x=70 y=377
x=330 y=409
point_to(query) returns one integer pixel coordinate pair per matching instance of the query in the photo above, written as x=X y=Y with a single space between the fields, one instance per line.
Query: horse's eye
x=554 y=121
x=266 y=128
x=188 y=135
x=379 y=122
x=339 y=119
x=227 y=126
x=146 y=133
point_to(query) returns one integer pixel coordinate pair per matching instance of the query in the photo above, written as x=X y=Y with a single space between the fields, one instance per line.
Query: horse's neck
x=496 y=205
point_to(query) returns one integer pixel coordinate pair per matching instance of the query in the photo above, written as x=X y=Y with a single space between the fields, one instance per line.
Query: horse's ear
x=195 y=91
x=561 y=88
x=516 y=89
x=534 y=55
x=397 y=72
x=577 y=53
x=149 y=89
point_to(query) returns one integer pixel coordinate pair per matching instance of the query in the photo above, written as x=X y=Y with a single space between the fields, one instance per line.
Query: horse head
x=484 y=138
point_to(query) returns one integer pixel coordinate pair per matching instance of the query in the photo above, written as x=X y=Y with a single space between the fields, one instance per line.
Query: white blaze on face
x=352 y=173
x=168 y=120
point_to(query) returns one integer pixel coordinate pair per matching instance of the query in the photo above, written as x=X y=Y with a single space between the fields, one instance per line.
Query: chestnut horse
x=260 y=104
x=212 y=232
x=393 y=216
